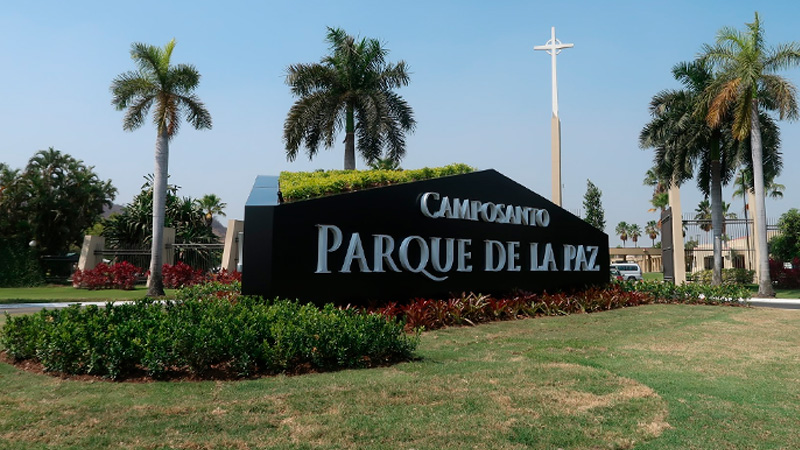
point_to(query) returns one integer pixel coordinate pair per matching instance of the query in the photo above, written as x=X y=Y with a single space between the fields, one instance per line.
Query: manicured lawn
x=653 y=276
x=69 y=294
x=653 y=377
x=779 y=293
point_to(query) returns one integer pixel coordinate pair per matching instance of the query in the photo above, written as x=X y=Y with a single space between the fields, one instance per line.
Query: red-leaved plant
x=117 y=276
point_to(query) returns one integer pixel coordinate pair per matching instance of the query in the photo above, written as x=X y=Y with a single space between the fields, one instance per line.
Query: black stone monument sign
x=479 y=232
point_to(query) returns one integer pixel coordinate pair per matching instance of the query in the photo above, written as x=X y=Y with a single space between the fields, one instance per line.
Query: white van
x=629 y=271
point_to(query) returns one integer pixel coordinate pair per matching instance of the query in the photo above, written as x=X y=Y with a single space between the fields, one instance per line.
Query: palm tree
x=651 y=229
x=744 y=184
x=351 y=87
x=384 y=164
x=703 y=215
x=622 y=231
x=634 y=231
x=211 y=205
x=683 y=140
x=171 y=90
x=746 y=84
x=660 y=199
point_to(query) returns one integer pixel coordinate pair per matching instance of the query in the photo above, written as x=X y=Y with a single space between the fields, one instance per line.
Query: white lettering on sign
x=436 y=257
x=433 y=205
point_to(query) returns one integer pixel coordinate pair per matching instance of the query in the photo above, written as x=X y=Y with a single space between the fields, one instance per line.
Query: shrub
x=124 y=275
x=117 y=276
x=473 y=309
x=689 y=293
x=203 y=331
x=180 y=275
x=785 y=278
x=729 y=276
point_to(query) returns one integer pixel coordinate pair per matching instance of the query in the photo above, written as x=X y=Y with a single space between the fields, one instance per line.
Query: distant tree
x=622 y=231
x=747 y=84
x=593 y=205
x=385 y=164
x=12 y=221
x=52 y=202
x=660 y=198
x=352 y=87
x=786 y=245
x=132 y=228
x=211 y=205
x=652 y=230
x=171 y=90
x=703 y=215
x=744 y=184
x=634 y=231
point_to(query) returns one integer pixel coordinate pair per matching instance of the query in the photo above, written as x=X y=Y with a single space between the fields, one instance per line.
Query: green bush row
x=729 y=276
x=242 y=337
x=306 y=185
x=690 y=293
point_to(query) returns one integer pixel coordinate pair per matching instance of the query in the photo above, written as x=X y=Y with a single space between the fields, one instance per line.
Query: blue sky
x=480 y=94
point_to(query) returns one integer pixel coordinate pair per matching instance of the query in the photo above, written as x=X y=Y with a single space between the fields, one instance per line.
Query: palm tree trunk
x=716 y=213
x=350 y=140
x=764 y=282
x=155 y=284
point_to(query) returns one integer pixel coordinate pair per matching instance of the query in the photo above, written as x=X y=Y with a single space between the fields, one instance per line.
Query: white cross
x=553 y=47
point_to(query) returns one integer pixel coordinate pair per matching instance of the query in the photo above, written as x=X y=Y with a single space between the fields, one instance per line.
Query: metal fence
x=738 y=243
x=206 y=257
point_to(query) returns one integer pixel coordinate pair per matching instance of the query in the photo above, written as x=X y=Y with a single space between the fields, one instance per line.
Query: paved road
x=782 y=303
x=26 y=308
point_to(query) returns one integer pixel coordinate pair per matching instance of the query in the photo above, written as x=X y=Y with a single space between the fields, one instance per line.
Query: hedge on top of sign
x=307 y=185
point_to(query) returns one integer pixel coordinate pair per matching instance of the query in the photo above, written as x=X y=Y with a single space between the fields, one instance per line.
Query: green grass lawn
x=70 y=294
x=779 y=293
x=653 y=276
x=652 y=377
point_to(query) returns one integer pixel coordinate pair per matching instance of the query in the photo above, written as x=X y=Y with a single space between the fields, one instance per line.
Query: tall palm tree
x=622 y=231
x=211 y=205
x=634 y=231
x=170 y=89
x=351 y=88
x=652 y=230
x=747 y=83
x=683 y=140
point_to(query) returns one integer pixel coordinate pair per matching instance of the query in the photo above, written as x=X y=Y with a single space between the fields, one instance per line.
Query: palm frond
x=779 y=94
x=136 y=113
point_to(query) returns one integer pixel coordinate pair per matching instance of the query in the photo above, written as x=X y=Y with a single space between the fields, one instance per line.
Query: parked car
x=616 y=275
x=629 y=271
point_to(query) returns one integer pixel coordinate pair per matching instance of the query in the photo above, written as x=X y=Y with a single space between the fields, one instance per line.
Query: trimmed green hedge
x=729 y=276
x=242 y=337
x=306 y=185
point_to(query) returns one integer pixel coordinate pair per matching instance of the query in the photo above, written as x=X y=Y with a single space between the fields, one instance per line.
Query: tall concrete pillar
x=169 y=249
x=679 y=254
x=555 y=159
x=230 y=254
x=88 y=259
